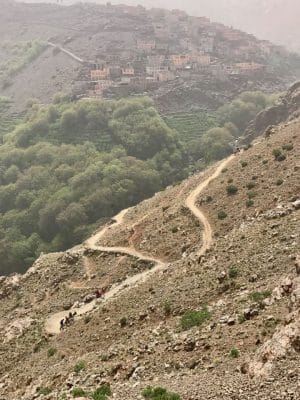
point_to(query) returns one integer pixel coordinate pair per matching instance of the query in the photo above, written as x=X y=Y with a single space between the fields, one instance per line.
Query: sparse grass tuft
x=123 y=322
x=260 y=296
x=288 y=147
x=244 y=164
x=102 y=393
x=222 y=214
x=44 y=390
x=231 y=189
x=51 y=351
x=249 y=203
x=194 y=318
x=78 y=392
x=234 y=353
x=167 y=308
x=159 y=393
x=233 y=272
x=79 y=366
x=250 y=185
x=279 y=182
x=278 y=155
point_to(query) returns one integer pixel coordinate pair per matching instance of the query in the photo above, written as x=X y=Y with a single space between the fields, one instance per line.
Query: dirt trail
x=191 y=204
x=52 y=323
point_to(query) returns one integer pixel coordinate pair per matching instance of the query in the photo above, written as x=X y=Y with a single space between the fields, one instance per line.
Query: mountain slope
x=143 y=335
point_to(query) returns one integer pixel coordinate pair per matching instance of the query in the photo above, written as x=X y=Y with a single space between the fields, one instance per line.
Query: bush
x=123 y=322
x=279 y=182
x=233 y=272
x=250 y=185
x=44 y=391
x=222 y=214
x=194 y=318
x=224 y=170
x=231 y=189
x=234 y=353
x=159 y=393
x=265 y=162
x=101 y=393
x=249 y=203
x=244 y=164
x=252 y=194
x=87 y=319
x=78 y=392
x=167 y=308
x=288 y=147
x=278 y=155
x=80 y=366
x=258 y=297
x=51 y=351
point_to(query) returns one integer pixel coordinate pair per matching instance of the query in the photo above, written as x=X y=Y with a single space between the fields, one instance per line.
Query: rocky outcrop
x=286 y=110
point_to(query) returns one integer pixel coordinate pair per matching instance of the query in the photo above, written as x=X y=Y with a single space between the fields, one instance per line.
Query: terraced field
x=191 y=125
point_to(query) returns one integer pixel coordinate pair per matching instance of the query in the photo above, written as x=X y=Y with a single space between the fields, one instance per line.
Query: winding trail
x=52 y=323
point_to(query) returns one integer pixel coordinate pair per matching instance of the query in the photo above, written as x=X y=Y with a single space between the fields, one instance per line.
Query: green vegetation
x=258 y=297
x=78 y=392
x=167 y=308
x=249 y=203
x=51 y=351
x=44 y=391
x=71 y=166
x=159 y=393
x=101 y=393
x=231 y=189
x=123 y=322
x=79 y=366
x=252 y=194
x=234 y=353
x=233 y=272
x=288 y=147
x=194 y=318
x=210 y=137
x=250 y=185
x=222 y=214
x=16 y=56
x=278 y=155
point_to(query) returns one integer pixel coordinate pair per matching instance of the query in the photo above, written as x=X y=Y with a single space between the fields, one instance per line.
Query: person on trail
x=62 y=324
x=67 y=322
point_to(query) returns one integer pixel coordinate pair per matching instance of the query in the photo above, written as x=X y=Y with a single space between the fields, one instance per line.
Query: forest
x=71 y=165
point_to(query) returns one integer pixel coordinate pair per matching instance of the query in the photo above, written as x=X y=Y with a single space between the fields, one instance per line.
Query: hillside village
x=173 y=46
x=115 y=51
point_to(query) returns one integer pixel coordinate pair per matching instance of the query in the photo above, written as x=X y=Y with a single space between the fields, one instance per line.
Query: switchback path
x=53 y=322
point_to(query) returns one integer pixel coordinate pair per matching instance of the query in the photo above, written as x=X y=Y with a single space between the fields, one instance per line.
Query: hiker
x=62 y=322
x=71 y=316
x=67 y=322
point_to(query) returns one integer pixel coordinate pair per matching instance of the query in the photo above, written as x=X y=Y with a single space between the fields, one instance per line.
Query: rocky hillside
x=202 y=293
x=109 y=51
x=287 y=109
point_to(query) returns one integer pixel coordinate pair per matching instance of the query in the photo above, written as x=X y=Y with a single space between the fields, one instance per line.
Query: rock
x=222 y=276
x=287 y=285
x=296 y=204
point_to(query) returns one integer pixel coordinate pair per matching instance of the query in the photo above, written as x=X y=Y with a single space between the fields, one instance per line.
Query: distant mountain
x=275 y=20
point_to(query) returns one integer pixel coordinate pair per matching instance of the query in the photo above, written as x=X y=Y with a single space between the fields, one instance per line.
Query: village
x=175 y=46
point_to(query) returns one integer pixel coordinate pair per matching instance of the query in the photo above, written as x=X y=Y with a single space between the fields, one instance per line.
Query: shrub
x=44 y=391
x=234 y=353
x=209 y=199
x=265 y=162
x=51 y=351
x=260 y=296
x=224 y=170
x=244 y=164
x=233 y=272
x=78 y=392
x=194 y=318
x=231 y=189
x=279 y=182
x=250 y=185
x=249 y=203
x=79 y=367
x=278 y=155
x=159 y=393
x=288 y=147
x=167 y=308
x=123 y=322
x=87 y=319
x=252 y=194
x=241 y=318
x=222 y=214
x=230 y=180
x=101 y=393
